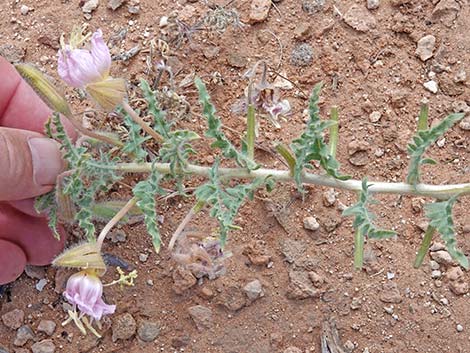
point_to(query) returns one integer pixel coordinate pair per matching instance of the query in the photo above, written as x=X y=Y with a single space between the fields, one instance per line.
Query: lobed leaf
x=422 y=140
x=440 y=216
x=133 y=144
x=215 y=131
x=145 y=192
x=311 y=146
x=363 y=218
x=176 y=151
x=226 y=201
x=161 y=125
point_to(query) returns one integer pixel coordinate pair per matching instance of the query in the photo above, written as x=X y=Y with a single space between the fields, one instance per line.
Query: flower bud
x=48 y=93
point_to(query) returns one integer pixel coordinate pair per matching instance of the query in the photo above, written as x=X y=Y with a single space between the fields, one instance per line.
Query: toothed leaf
x=422 y=140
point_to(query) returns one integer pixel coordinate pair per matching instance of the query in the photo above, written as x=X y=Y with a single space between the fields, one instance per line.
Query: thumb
x=29 y=164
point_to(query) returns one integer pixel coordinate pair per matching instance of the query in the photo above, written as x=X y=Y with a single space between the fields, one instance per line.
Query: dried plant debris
x=201 y=254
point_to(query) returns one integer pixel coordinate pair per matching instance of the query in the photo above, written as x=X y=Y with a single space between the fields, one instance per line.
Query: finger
x=12 y=261
x=20 y=106
x=29 y=164
x=32 y=234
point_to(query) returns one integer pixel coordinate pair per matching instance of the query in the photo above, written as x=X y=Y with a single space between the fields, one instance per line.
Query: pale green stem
x=358 y=250
x=441 y=192
x=333 y=144
x=250 y=131
x=423 y=116
x=113 y=221
x=137 y=119
x=195 y=209
x=423 y=249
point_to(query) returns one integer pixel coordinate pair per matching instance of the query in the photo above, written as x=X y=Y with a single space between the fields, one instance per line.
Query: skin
x=24 y=235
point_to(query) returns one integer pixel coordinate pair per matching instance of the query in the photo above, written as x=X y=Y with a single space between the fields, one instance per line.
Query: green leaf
x=215 y=131
x=422 y=140
x=176 y=151
x=161 y=125
x=133 y=144
x=145 y=192
x=225 y=201
x=46 y=204
x=440 y=216
x=311 y=146
x=363 y=218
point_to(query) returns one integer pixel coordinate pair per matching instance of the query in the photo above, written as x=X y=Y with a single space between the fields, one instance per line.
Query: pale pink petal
x=77 y=68
x=100 y=53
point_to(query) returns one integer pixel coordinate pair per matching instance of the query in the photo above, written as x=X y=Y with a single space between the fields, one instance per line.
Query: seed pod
x=45 y=89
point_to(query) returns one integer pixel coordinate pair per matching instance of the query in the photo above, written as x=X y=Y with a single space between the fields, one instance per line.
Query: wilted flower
x=89 y=69
x=84 y=290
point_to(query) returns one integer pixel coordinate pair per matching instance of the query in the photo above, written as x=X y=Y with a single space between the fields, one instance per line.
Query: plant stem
x=93 y=134
x=287 y=155
x=155 y=135
x=358 y=250
x=112 y=222
x=440 y=192
x=423 y=249
x=333 y=131
x=423 y=116
x=195 y=209
x=250 y=131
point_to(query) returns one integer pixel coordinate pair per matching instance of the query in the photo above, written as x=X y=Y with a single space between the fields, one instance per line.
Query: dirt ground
x=367 y=60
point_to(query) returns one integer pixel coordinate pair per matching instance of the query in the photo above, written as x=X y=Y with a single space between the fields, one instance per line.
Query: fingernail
x=47 y=160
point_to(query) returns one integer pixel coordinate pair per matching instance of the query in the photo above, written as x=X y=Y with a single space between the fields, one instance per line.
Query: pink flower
x=89 y=69
x=84 y=290
x=79 y=67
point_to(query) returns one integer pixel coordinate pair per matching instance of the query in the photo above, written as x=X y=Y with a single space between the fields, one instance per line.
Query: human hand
x=29 y=165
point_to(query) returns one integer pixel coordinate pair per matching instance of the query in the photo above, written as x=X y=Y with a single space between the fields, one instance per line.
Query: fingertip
x=12 y=261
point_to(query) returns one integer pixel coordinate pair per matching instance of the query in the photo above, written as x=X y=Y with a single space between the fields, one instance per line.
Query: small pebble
x=436 y=274
x=431 y=86
x=311 y=223
x=459 y=328
x=373 y=4
x=24 y=10
x=374 y=117
x=434 y=265
x=143 y=257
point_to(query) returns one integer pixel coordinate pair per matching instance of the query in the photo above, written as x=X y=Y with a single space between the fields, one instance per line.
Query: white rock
x=90 y=5
x=163 y=21
x=459 y=328
x=24 y=10
x=426 y=47
x=431 y=86
x=465 y=124
x=375 y=117
x=373 y=4
x=311 y=223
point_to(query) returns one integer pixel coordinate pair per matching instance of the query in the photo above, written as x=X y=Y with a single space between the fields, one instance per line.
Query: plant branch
x=440 y=192
x=155 y=135
x=112 y=222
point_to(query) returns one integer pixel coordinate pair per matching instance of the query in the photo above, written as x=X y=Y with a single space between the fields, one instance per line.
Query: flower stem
x=250 y=131
x=155 y=135
x=423 y=116
x=333 y=144
x=112 y=222
x=93 y=134
x=195 y=209
x=423 y=249
x=358 y=250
